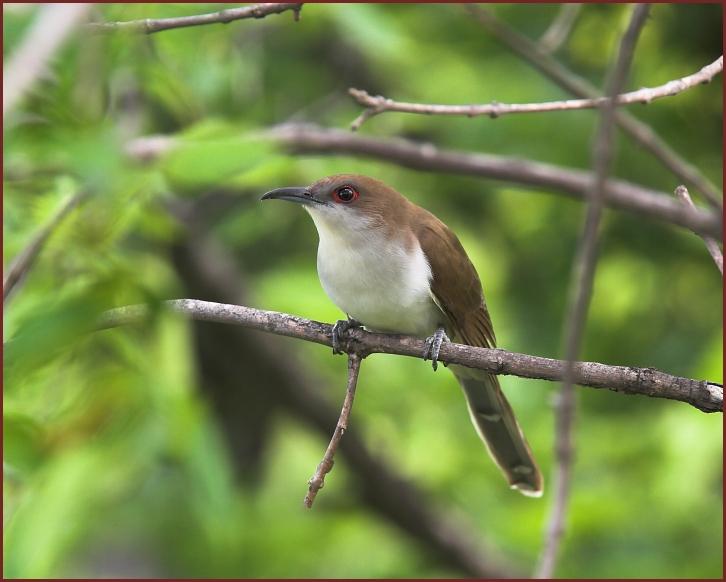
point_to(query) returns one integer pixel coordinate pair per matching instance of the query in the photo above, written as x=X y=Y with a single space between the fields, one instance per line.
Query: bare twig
x=640 y=132
x=307 y=139
x=560 y=28
x=711 y=244
x=25 y=259
x=583 y=276
x=704 y=395
x=326 y=465
x=379 y=104
x=152 y=25
x=30 y=60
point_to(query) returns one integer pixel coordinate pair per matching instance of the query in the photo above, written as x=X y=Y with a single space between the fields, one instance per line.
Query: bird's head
x=345 y=201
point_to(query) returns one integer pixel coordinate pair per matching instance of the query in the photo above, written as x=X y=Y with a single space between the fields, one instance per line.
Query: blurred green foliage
x=114 y=460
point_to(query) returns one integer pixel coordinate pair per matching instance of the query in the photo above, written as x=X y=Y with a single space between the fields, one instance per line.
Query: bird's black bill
x=299 y=195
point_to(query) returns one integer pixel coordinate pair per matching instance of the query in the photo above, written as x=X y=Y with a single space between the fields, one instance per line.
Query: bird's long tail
x=497 y=426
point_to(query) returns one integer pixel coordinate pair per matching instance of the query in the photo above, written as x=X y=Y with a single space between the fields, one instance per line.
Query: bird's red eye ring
x=345 y=194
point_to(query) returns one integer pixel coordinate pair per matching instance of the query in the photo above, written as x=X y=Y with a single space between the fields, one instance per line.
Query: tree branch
x=640 y=132
x=25 y=259
x=380 y=104
x=582 y=279
x=152 y=25
x=711 y=244
x=326 y=465
x=560 y=28
x=704 y=395
x=306 y=139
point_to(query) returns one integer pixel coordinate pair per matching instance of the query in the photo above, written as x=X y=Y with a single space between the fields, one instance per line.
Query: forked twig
x=711 y=244
x=703 y=395
x=326 y=465
x=374 y=105
x=639 y=131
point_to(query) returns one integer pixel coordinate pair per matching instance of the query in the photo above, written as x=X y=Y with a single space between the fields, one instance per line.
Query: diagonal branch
x=306 y=139
x=560 y=28
x=42 y=41
x=711 y=244
x=704 y=395
x=326 y=465
x=152 y=25
x=640 y=132
x=25 y=259
x=581 y=284
x=380 y=104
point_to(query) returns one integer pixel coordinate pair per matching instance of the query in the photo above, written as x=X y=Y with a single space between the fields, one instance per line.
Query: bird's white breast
x=378 y=280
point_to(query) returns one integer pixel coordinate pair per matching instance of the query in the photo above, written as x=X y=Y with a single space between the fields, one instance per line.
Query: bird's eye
x=345 y=194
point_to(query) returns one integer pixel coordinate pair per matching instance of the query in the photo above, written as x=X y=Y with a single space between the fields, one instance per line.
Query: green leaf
x=22 y=441
x=212 y=154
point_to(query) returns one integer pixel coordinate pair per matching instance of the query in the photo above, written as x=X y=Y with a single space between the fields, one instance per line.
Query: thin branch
x=583 y=276
x=560 y=28
x=326 y=465
x=25 y=259
x=640 y=132
x=152 y=25
x=380 y=104
x=704 y=395
x=308 y=139
x=711 y=244
x=30 y=60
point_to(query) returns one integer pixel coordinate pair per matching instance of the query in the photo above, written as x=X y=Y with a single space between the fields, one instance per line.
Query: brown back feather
x=459 y=293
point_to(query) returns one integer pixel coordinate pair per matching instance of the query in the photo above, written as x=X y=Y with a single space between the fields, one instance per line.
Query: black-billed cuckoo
x=394 y=267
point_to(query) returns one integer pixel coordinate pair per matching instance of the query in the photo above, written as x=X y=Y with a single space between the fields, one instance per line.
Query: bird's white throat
x=380 y=280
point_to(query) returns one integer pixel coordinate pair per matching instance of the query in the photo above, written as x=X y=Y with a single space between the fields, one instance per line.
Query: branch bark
x=711 y=244
x=582 y=279
x=306 y=139
x=326 y=465
x=560 y=29
x=152 y=25
x=704 y=395
x=640 y=132
x=25 y=259
x=379 y=104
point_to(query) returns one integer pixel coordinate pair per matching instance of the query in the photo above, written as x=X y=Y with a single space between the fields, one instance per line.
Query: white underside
x=374 y=279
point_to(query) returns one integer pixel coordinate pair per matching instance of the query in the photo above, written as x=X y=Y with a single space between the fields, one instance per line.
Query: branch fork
x=379 y=104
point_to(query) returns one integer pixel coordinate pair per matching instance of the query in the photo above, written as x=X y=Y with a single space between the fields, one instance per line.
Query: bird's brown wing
x=459 y=293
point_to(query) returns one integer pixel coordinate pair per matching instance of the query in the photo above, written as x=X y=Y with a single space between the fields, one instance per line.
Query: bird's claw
x=433 y=347
x=342 y=326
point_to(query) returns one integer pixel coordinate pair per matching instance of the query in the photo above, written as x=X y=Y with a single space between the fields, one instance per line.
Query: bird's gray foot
x=342 y=326
x=433 y=346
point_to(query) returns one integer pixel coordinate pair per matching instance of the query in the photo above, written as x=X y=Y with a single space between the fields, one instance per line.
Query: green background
x=175 y=449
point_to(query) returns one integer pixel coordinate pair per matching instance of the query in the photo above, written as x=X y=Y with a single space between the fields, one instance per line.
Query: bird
x=392 y=266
